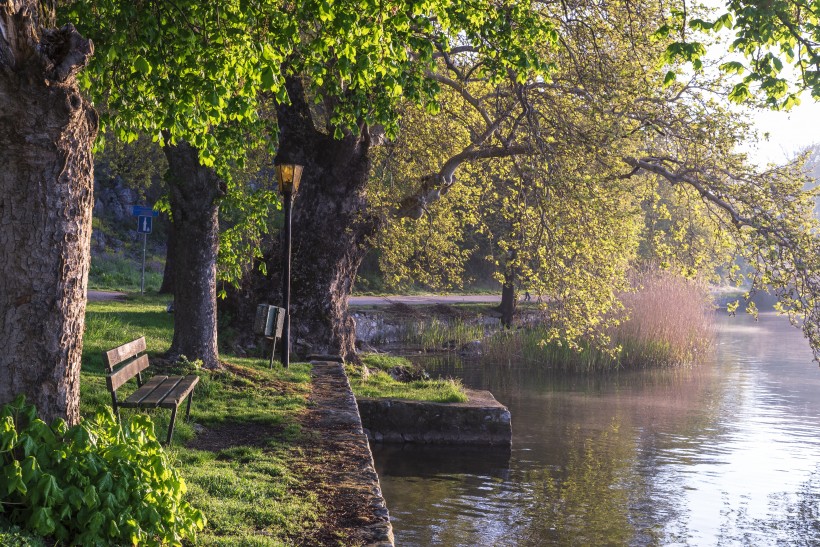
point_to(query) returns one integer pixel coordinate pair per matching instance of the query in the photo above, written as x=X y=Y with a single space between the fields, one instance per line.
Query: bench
x=126 y=362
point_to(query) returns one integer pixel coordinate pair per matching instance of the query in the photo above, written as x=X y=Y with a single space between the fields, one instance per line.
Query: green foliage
x=778 y=41
x=666 y=322
x=96 y=483
x=14 y=536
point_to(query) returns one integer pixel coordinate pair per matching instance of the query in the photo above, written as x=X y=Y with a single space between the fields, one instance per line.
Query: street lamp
x=288 y=176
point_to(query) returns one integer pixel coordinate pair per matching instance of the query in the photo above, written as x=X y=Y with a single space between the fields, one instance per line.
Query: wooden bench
x=126 y=362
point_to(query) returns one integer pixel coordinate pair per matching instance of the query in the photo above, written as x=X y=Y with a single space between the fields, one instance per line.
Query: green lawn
x=251 y=492
x=379 y=384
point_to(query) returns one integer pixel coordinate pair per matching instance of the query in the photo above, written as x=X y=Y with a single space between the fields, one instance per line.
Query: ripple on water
x=723 y=455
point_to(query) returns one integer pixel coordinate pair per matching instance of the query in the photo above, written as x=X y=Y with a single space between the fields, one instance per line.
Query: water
x=727 y=453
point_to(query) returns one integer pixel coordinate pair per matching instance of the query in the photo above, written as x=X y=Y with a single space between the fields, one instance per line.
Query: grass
x=379 y=384
x=432 y=334
x=251 y=495
x=116 y=272
x=669 y=323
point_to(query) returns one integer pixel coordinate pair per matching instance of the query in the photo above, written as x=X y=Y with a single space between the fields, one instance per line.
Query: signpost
x=145 y=220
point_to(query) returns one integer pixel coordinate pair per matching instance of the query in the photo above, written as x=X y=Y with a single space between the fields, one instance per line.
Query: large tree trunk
x=167 y=286
x=330 y=233
x=509 y=300
x=46 y=198
x=195 y=216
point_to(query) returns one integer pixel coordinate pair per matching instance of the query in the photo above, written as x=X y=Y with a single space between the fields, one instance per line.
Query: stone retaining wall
x=480 y=421
x=353 y=475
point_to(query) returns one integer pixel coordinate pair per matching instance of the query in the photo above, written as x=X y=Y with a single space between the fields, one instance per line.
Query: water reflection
x=722 y=454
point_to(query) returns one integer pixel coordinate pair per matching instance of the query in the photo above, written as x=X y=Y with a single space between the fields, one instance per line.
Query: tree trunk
x=46 y=198
x=509 y=300
x=330 y=234
x=167 y=286
x=194 y=193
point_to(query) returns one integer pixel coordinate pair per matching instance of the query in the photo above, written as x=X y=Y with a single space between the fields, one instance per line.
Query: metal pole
x=286 y=282
x=142 y=278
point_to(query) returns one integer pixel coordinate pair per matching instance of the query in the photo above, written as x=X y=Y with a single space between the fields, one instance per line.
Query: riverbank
x=258 y=457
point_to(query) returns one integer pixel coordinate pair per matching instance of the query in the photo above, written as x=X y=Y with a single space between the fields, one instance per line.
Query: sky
x=789 y=132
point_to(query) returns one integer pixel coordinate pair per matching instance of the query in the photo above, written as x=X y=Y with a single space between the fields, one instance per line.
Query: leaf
x=142 y=65
x=13 y=478
x=268 y=79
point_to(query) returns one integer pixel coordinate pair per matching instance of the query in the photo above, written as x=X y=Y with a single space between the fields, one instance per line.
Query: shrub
x=13 y=536
x=97 y=483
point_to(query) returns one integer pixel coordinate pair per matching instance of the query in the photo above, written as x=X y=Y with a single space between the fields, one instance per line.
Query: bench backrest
x=134 y=363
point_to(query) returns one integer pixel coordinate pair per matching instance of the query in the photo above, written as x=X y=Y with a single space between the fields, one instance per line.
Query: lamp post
x=288 y=176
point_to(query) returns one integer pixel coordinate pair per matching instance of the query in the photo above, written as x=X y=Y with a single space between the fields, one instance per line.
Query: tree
x=191 y=74
x=351 y=70
x=602 y=110
x=46 y=187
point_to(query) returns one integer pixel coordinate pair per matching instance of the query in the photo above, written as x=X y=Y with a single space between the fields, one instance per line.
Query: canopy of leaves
x=580 y=172
x=777 y=41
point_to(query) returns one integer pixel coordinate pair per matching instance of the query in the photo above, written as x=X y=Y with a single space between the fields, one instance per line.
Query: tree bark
x=195 y=190
x=509 y=300
x=167 y=286
x=46 y=199
x=330 y=233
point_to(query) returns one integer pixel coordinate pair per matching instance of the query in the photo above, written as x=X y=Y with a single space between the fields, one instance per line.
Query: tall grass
x=667 y=321
x=671 y=321
x=430 y=334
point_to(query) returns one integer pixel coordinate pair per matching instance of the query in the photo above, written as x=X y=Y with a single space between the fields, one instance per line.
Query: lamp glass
x=289 y=176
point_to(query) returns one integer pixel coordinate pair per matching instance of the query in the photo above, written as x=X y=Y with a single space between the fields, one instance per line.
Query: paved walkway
x=350 y=484
x=364 y=300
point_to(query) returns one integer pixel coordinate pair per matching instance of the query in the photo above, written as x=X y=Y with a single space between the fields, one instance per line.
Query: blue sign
x=142 y=211
x=144 y=224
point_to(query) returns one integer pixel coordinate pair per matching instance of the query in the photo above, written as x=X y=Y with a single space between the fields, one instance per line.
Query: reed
x=431 y=334
x=667 y=321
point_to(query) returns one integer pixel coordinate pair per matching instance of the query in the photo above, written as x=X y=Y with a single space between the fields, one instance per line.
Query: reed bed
x=431 y=334
x=667 y=321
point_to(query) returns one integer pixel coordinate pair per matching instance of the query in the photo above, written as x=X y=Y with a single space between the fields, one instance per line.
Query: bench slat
x=162 y=391
x=135 y=399
x=126 y=351
x=178 y=394
x=128 y=371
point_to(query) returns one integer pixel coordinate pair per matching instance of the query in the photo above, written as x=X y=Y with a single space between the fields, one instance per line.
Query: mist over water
x=726 y=453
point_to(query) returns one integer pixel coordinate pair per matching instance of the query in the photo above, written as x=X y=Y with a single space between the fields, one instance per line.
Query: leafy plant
x=97 y=483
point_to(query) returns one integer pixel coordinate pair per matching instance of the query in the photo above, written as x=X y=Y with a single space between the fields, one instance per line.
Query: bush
x=13 y=536
x=97 y=483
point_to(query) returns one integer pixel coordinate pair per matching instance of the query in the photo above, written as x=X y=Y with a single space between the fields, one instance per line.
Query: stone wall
x=352 y=477
x=480 y=421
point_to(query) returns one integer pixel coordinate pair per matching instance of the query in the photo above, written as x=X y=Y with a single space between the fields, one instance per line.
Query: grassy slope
x=250 y=495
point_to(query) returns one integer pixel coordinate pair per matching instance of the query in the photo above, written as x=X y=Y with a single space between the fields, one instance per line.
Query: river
x=725 y=453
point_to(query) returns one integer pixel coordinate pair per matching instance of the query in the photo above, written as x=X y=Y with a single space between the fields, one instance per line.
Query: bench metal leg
x=171 y=425
x=188 y=410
